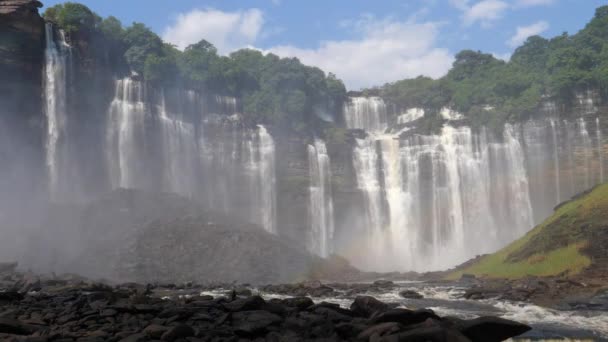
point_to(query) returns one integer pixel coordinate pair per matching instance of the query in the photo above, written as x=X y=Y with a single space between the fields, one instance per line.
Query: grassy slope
x=557 y=245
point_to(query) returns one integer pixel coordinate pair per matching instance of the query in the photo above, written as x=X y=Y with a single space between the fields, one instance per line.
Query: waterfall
x=321 y=210
x=179 y=151
x=368 y=113
x=55 y=92
x=587 y=150
x=600 y=148
x=433 y=201
x=556 y=160
x=262 y=163
x=125 y=135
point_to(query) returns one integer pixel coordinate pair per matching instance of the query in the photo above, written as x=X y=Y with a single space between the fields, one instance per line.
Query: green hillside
x=573 y=239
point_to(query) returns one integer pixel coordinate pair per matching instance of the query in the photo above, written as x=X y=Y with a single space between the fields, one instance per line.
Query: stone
x=135 y=338
x=13 y=326
x=409 y=294
x=243 y=304
x=404 y=316
x=379 y=330
x=299 y=302
x=365 y=306
x=426 y=334
x=177 y=332
x=155 y=331
x=253 y=322
x=384 y=283
x=490 y=329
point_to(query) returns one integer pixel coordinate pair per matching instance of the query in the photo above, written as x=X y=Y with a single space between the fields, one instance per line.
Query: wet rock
x=155 y=331
x=380 y=330
x=366 y=306
x=12 y=326
x=299 y=302
x=253 y=322
x=409 y=294
x=177 y=332
x=349 y=330
x=404 y=316
x=433 y=334
x=242 y=304
x=384 y=283
x=490 y=329
x=135 y=338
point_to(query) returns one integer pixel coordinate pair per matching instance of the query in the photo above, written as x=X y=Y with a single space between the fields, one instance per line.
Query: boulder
x=298 y=302
x=177 y=332
x=404 y=316
x=491 y=329
x=12 y=326
x=427 y=334
x=380 y=330
x=243 y=304
x=365 y=306
x=254 y=322
x=155 y=331
x=409 y=294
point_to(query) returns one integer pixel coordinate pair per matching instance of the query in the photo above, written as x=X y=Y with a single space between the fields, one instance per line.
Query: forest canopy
x=283 y=91
x=541 y=68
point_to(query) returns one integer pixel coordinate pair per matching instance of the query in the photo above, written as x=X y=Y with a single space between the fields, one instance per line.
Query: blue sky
x=364 y=42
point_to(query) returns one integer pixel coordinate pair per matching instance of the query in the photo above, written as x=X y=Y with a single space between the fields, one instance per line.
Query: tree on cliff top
x=72 y=17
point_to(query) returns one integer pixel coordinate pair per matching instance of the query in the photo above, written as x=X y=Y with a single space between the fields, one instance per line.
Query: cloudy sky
x=364 y=42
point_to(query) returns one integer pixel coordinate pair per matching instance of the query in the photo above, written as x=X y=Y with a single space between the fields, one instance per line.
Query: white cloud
x=485 y=12
x=228 y=31
x=531 y=3
x=523 y=32
x=386 y=51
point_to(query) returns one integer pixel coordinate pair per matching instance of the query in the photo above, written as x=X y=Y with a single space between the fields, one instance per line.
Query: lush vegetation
x=281 y=91
x=565 y=242
x=285 y=92
x=487 y=89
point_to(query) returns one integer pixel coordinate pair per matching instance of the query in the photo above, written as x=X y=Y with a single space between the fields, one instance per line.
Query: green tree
x=72 y=17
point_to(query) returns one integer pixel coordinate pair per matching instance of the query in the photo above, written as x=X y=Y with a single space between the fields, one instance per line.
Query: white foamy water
x=55 y=95
x=321 y=207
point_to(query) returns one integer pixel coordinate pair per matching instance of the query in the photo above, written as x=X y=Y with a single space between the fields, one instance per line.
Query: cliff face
x=21 y=39
x=21 y=64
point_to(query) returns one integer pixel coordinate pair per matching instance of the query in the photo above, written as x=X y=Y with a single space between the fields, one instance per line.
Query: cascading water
x=55 y=92
x=600 y=147
x=558 y=190
x=125 y=135
x=261 y=166
x=321 y=208
x=433 y=201
x=179 y=151
x=430 y=198
x=369 y=113
x=587 y=150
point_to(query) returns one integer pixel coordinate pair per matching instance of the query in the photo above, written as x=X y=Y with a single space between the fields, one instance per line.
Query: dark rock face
x=80 y=310
x=21 y=65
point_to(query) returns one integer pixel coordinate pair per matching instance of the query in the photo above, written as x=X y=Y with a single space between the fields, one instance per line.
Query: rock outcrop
x=53 y=309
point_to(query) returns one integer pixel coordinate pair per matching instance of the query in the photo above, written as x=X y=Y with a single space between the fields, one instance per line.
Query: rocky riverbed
x=70 y=308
